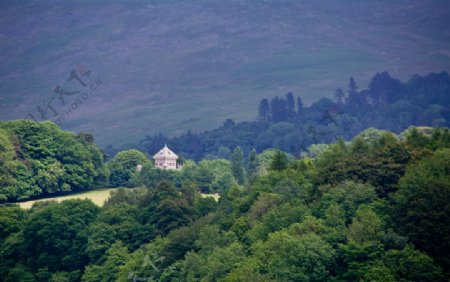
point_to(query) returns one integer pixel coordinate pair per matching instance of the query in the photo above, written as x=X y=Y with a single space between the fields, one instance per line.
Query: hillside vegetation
x=372 y=209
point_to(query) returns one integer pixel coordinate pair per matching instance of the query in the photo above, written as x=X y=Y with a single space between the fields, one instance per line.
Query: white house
x=166 y=159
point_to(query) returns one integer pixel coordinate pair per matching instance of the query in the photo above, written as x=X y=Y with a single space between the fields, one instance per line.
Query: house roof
x=165 y=153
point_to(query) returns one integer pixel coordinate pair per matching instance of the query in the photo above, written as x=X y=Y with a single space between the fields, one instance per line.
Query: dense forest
x=375 y=208
x=285 y=123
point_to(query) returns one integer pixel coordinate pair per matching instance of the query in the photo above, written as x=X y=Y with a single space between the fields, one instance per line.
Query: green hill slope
x=171 y=66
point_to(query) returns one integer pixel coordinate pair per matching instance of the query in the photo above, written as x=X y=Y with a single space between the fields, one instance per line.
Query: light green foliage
x=266 y=157
x=123 y=166
x=217 y=264
x=366 y=227
x=310 y=224
x=315 y=150
x=276 y=219
x=40 y=158
x=209 y=175
x=378 y=273
x=60 y=276
x=150 y=176
x=217 y=175
x=295 y=258
x=334 y=216
x=20 y=273
x=7 y=164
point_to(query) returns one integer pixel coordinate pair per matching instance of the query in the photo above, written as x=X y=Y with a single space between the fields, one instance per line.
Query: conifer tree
x=352 y=95
x=264 y=110
x=237 y=165
x=275 y=109
x=290 y=105
x=279 y=161
x=252 y=167
x=340 y=96
x=299 y=106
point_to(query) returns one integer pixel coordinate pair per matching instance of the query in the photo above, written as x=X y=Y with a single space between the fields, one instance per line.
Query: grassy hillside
x=98 y=197
x=171 y=66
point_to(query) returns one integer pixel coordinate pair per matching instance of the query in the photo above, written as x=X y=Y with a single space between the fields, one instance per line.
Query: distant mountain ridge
x=170 y=66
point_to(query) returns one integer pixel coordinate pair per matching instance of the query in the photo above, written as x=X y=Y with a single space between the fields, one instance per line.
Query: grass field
x=98 y=197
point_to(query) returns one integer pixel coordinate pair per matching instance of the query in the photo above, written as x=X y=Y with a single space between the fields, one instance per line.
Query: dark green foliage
x=117 y=222
x=11 y=220
x=340 y=96
x=237 y=165
x=290 y=105
x=279 y=161
x=375 y=157
x=20 y=273
x=422 y=206
x=253 y=164
x=264 y=110
x=55 y=236
x=165 y=208
x=299 y=106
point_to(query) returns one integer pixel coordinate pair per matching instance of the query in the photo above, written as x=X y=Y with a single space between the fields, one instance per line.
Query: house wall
x=166 y=164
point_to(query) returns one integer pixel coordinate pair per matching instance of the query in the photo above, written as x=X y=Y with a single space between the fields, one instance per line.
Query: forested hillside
x=372 y=209
x=285 y=123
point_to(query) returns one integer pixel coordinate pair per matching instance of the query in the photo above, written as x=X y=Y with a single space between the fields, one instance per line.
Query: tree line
x=287 y=124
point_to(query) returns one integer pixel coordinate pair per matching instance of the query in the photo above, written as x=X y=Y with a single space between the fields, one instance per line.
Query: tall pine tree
x=279 y=161
x=264 y=110
x=253 y=164
x=299 y=106
x=353 y=99
x=237 y=165
x=340 y=96
x=290 y=105
x=275 y=107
